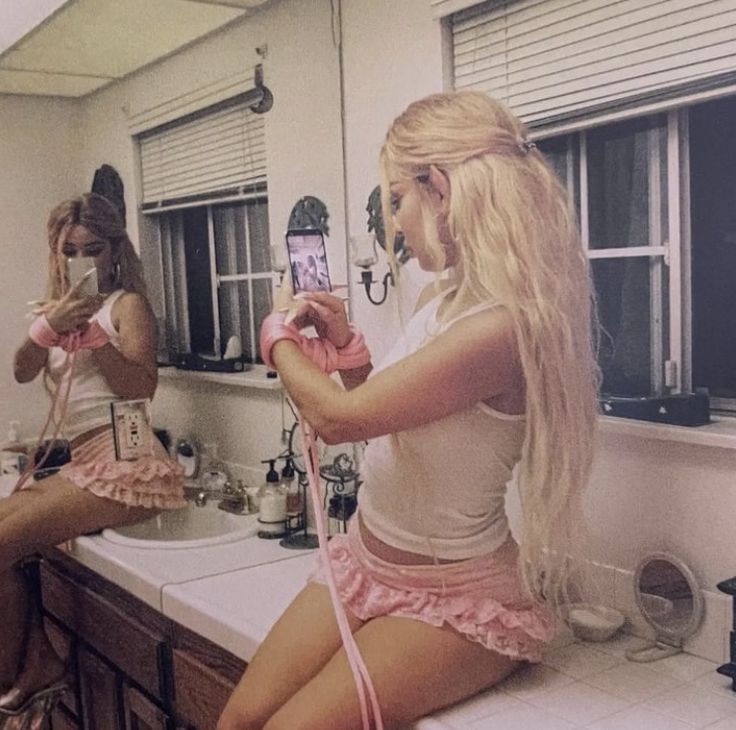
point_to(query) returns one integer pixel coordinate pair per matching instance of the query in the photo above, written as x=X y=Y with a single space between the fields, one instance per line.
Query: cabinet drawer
x=200 y=693
x=134 y=648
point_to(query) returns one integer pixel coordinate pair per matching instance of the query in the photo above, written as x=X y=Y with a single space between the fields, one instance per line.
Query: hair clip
x=527 y=145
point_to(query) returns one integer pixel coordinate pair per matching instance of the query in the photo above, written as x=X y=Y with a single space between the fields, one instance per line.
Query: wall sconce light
x=363 y=255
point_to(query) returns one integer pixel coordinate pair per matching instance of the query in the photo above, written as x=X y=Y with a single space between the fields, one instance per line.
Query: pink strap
x=323 y=353
x=44 y=335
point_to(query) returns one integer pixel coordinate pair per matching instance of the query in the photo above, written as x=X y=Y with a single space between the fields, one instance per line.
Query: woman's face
x=80 y=241
x=408 y=219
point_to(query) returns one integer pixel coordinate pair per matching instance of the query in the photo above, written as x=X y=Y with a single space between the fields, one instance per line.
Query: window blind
x=208 y=156
x=559 y=59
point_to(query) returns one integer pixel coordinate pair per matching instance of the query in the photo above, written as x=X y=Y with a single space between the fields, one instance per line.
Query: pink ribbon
x=44 y=335
x=321 y=352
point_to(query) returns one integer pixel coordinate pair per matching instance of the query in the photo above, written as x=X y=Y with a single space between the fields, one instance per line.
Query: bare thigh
x=298 y=646
x=416 y=669
x=52 y=511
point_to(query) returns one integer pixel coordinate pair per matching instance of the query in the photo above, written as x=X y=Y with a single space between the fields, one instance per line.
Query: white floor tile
x=484 y=705
x=683 y=666
x=632 y=682
x=716 y=683
x=580 y=660
x=711 y=639
x=579 y=703
x=534 y=680
x=522 y=718
x=694 y=705
x=728 y=723
x=639 y=718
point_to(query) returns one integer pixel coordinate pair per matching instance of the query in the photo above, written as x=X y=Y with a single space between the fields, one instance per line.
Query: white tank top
x=90 y=395
x=439 y=489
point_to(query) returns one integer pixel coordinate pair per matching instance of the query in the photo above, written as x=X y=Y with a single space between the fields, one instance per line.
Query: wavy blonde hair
x=101 y=218
x=518 y=244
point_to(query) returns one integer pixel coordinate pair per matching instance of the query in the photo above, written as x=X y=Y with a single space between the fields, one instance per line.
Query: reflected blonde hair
x=518 y=244
x=101 y=218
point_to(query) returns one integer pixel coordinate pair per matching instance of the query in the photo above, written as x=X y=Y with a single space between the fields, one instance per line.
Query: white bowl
x=593 y=622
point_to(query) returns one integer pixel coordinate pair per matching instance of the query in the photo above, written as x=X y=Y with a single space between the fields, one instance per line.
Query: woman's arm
x=28 y=361
x=474 y=360
x=131 y=371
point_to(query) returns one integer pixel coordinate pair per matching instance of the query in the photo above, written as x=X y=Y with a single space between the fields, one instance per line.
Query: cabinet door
x=60 y=720
x=99 y=687
x=141 y=713
x=201 y=693
x=63 y=644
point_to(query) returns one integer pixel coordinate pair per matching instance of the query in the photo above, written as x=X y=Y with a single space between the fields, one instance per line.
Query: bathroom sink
x=191 y=526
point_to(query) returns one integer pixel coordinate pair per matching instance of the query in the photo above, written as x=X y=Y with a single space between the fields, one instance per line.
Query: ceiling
x=73 y=47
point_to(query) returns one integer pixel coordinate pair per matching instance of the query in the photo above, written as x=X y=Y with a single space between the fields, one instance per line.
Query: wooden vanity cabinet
x=132 y=668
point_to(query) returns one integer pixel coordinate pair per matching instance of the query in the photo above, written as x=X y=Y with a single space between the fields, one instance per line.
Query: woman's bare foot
x=43 y=669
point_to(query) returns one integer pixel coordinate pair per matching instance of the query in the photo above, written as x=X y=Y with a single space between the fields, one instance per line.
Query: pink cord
x=44 y=335
x=328 y=358
x=323 y=353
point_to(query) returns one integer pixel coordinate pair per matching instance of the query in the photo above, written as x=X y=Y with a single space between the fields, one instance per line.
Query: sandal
x=43 y=700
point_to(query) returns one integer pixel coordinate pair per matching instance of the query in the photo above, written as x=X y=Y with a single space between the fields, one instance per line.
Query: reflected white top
x=439 y=489
x=90 y=395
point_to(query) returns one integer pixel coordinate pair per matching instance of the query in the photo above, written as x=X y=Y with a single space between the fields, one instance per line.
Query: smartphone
x=308 y=260
x=83 y=267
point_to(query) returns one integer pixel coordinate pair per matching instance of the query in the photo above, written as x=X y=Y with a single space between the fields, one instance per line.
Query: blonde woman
x=117 y=361
x=494 y=370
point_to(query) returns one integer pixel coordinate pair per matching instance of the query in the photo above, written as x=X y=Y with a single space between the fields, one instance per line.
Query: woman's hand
x=326 y=313
x=72 y=311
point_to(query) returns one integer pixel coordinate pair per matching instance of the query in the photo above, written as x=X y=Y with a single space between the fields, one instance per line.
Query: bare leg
x=416 y=669
x=43 y=515
x=299 y=645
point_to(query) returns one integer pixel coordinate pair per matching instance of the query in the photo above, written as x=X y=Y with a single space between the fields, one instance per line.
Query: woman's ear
x=440 y=185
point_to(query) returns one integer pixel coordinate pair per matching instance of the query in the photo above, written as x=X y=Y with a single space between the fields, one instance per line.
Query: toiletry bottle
x=14 y=456
x=294 y=505
x=272 y=505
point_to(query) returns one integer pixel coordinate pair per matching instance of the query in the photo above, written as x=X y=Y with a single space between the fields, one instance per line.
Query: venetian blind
x=559 y=59
x=215 y=154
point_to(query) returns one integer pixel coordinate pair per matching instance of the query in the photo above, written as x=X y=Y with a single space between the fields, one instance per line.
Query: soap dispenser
x=272 y=504
x=294 y=502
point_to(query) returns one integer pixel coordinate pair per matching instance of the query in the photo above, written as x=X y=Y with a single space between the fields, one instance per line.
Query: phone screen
x=308 y=260
x=82 y=267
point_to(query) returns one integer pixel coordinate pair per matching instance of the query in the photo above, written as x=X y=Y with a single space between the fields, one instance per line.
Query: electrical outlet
x=132 y=430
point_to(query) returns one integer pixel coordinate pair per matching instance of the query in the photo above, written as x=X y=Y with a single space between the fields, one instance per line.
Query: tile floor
x=594 y=686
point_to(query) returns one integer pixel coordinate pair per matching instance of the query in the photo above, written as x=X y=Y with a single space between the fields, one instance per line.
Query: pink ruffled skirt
x=154 y=481
x=481 y=598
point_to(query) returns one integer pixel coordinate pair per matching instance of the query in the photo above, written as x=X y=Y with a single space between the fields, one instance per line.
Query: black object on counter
x=729 y=669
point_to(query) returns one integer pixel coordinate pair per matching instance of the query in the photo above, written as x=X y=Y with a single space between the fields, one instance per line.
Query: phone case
x=308 y=260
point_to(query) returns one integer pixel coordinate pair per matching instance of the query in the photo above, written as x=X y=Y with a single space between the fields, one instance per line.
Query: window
x=205 y=230
x=658 y=217
x=635 y=110
x=217 y=276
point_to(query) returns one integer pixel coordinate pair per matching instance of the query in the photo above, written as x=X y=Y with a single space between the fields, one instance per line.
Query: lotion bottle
x=272 y=505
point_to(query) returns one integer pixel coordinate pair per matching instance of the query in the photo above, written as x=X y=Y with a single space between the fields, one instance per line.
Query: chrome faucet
x=234 y=499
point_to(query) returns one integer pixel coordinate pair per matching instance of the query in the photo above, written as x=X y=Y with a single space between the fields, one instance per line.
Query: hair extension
x=518 y=244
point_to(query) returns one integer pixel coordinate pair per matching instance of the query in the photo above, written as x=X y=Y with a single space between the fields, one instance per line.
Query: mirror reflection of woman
x=94 y=490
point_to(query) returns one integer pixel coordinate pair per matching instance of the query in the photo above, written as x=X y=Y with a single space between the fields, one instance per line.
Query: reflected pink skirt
x=481 y=598
x=154 y=482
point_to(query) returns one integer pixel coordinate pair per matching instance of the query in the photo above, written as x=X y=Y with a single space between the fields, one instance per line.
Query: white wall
x=38 y=163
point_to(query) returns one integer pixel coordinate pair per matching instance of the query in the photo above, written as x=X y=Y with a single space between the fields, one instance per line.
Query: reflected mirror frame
x=664 y=633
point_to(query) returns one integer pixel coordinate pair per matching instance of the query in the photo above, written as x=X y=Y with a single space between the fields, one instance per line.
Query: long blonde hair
x=518 y=244
x=101 y=218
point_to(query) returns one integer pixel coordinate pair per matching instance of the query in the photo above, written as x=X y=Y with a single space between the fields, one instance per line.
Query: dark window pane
x=199 y=287
x=228 y=222
x=623 y=290
x=713 y=214
x=620 y=168
x=262 y=305
x=258 y=235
